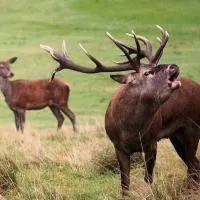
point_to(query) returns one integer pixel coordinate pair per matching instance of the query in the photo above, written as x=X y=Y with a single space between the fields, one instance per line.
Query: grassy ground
x=47 y=165
x=51 y=166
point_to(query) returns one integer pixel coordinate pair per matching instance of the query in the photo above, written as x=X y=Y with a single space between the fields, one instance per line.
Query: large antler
x=132 y=64
x=66 y=63
x=149 y=54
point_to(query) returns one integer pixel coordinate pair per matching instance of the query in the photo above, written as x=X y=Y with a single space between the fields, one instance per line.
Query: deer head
x=152 y=80
x=153 y=83
x=5 y=70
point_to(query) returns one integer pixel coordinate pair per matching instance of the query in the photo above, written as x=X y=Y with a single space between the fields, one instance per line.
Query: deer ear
x=12 y=60
x=120 y=78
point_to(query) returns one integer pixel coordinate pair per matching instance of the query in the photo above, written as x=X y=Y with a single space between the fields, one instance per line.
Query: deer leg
x=179 y=147
x=71 y=116
x=150 y=159
x=193 y=163
x=55 y=110
x=124 y=164
x=186 y=147
x=17 y=120
x=22 y=120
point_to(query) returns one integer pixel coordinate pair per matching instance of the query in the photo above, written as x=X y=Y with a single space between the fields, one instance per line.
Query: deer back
x=36 y=94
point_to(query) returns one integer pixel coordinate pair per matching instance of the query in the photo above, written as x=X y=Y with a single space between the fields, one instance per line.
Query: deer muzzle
x=173 y=71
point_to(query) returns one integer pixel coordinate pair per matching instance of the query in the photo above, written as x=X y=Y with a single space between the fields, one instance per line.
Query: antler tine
x=57 y=69
x=148 y=47
x=48 y=49
x=131 y=50
x=120 y=45
x=97 y=62
x=143 y=54
x=138 y=48
x=65 y=53
x=163 y=42
x=66 y=63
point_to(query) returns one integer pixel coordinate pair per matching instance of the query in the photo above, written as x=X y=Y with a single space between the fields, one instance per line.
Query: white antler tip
x=133 y=32
x=42 y=46
x=129 y=34
x=46 y=48
x=158 y=39
x=160 y=28
x=109 y=35
x=81 y=46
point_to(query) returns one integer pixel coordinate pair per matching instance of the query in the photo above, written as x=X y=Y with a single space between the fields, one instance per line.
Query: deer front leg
x=22 y=120
x=150 y=159
x=124 y=163
x=17 y=120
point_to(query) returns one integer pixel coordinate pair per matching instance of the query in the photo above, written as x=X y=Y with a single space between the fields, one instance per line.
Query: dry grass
x=41 y=164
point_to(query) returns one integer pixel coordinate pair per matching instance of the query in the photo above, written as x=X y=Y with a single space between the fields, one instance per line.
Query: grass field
x=44 y=164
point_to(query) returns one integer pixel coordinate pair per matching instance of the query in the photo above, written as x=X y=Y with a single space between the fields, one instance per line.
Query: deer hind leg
x=71 y=116
x=193 y=163
x=150 y=159
x=186 y=143
x=55 y=110
x=124 y=164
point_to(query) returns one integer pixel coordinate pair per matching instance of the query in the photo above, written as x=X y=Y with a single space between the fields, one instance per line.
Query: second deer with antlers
x=149 y=105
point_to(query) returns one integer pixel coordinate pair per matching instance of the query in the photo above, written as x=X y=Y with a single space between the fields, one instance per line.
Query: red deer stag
x=22 y=95
x=149 y=106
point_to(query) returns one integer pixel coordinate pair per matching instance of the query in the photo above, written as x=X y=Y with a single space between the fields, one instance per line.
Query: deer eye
x=149 y=73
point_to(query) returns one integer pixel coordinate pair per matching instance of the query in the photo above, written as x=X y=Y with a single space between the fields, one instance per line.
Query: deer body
x=148 y=106
x=22 y=95
x=132 y=131
x=125 y=125
x=26 y=95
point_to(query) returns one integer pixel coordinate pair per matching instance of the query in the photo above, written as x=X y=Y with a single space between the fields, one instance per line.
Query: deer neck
x=134 y=109
x=5 y=86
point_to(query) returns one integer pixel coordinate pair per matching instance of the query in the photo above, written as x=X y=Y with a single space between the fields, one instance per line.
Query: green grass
x=25 y=25
x=45 y=168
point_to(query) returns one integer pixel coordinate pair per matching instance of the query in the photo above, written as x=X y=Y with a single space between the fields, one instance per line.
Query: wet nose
x=12 y=74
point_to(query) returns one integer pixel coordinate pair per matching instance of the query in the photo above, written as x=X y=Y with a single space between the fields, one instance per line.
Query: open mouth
x=173 y=82
x=174 y=76
x=8 y=76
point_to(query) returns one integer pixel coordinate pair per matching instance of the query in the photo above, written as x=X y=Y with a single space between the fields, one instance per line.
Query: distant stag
x=149 y=106
x=22 y=95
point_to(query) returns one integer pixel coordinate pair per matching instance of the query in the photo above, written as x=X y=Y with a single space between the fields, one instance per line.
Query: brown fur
x=22 y=95
x=132 y=129
x=38 y=94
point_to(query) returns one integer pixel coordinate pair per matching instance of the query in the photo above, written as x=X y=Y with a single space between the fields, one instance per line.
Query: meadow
x=46 y=164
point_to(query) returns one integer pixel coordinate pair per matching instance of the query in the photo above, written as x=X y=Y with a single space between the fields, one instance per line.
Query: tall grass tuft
x=104 y=160
x=8 y=171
